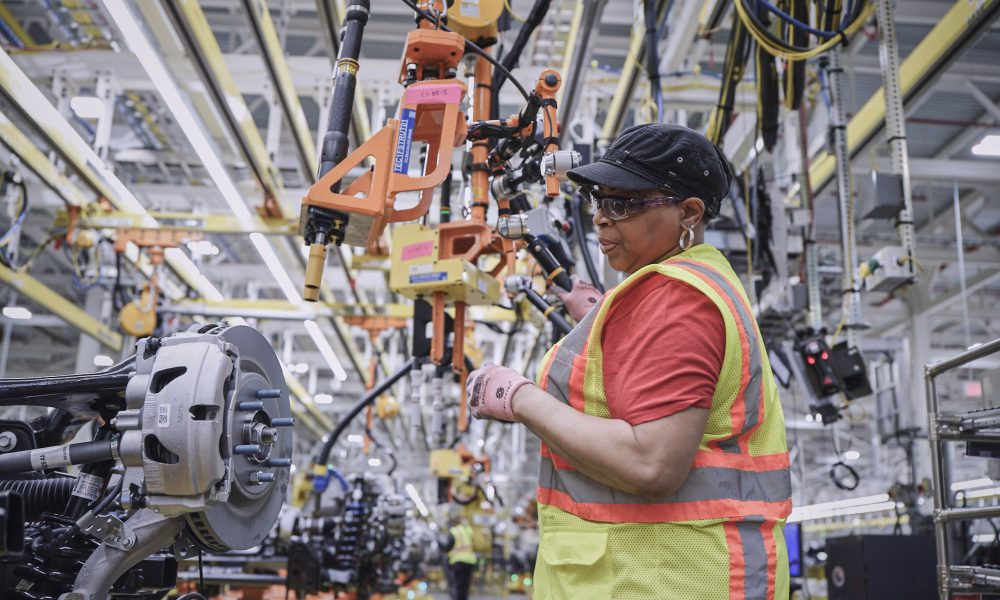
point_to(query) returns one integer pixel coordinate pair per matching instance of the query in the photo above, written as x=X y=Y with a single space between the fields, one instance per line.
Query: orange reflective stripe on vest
x=751 y=551
x=749 y=412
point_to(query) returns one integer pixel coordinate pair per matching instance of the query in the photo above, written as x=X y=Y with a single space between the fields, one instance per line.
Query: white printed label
x=88 y=486
x=163 y=415
x=483 y=286
x=50 y=458
x=470 y=8
x=424 y=268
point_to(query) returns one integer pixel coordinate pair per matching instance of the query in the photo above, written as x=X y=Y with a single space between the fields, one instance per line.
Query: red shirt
x=663 y=343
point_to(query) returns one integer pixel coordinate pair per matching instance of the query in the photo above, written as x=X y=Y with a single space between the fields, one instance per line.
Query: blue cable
x=790 y=19
x=344 y=487
x=824 y=89
x=8 y=33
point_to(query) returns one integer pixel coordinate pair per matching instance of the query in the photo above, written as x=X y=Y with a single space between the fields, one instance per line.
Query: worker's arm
x=650 y=460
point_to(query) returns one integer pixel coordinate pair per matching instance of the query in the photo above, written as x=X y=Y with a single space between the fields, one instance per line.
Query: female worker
x=664 y=469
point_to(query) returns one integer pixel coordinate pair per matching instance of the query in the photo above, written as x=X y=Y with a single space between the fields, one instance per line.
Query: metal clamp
x=108 y=529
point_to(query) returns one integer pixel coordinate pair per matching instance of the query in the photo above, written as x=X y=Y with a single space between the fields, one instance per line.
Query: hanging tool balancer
x=437 y=263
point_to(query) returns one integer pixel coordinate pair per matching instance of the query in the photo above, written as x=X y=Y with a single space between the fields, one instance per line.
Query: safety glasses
x=617 y=208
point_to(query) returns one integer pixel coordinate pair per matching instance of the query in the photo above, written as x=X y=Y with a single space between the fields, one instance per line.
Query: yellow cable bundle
x=825 y=46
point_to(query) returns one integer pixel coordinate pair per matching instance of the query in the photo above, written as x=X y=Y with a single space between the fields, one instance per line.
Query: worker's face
x=648 y=236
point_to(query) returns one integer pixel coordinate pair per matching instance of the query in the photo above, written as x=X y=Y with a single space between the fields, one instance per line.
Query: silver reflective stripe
x=576 y=340
x=561 y=365
x=560 y=369
x=702 y=483
x=752 y=394
x=754 y=559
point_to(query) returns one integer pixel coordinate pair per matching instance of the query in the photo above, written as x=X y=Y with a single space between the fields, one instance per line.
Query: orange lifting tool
x=430 y=112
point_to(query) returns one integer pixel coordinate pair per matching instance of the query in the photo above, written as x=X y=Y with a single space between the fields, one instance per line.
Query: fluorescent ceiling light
x=323 y=399
x=852 y=455
x=16 y=312
x=87 y=107
x=182 y=263
x=417 y=500
x=103 y=360
x=355 y=438
x=266 y=252
x=203 y=147
x=988 y=146
x=324 y=348
x=203 y=248
x=374 y=462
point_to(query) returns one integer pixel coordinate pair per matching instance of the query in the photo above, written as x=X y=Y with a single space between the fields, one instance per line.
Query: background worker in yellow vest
x=664 y=467
x=461 y=559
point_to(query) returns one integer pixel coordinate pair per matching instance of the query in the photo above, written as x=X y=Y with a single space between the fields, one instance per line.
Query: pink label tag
x=443 y=93
x=418 y=250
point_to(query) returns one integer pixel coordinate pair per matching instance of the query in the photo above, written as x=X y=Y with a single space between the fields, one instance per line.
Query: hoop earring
x=687 y=238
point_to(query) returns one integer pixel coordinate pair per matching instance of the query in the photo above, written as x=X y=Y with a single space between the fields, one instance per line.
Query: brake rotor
x=256 y=398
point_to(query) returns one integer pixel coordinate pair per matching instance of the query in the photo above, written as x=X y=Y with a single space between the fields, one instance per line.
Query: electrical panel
x=888 y=270
x=886 y=196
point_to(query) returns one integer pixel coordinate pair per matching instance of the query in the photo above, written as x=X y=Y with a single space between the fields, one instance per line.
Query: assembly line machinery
x=191 y=448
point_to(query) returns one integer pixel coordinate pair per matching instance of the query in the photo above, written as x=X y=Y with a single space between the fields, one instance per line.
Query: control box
x=417 y=272
x=889 y=269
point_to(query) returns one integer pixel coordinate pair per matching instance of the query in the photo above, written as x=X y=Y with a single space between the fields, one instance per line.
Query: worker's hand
x=580 y=299
x=491 y=390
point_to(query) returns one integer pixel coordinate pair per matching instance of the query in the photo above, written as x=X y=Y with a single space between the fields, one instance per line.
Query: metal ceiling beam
x=44 y=296
x=283 y=310
x=939 y=49
x=305 y=399
x=203 y=50
x=988 y=277
x=32 y=103
x=30 y=155
x=273 y=55
x=205 y=223
x=945 y=170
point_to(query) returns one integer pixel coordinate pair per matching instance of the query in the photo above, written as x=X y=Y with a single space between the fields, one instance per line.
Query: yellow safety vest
x=720 y=536
x=462 y=551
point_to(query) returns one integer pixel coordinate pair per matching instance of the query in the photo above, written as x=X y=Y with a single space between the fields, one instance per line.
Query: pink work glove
x=580 y=299
x=490 y=390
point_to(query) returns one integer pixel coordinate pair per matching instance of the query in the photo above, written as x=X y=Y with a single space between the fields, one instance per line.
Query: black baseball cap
x=666 y=157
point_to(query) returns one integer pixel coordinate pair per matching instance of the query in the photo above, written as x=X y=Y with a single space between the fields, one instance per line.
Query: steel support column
x=895 y=123
x=850 y=281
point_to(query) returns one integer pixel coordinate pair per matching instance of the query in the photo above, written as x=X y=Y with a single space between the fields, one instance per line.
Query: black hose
x=54 y=457
x=558 y=322
x=114 y=379
x=324 y=454
x=40 y=495
x=653 y=57
x=581 y=238
x=511 y=57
